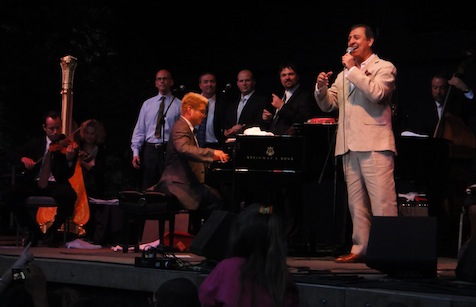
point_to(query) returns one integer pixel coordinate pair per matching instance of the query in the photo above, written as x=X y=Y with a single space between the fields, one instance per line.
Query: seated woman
x=92 y=157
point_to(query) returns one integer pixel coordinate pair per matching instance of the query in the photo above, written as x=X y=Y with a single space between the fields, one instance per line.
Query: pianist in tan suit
x=362 y=93
x=185 y=163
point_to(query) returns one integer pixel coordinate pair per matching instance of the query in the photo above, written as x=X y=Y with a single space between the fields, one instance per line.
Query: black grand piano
x=279 y=159
x=304 y=159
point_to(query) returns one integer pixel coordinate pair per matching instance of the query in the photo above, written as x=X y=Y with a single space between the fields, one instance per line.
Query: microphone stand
x=334 y=194
x=163 y=127
x=329 y=151
x=223 y=99
x=223 y=96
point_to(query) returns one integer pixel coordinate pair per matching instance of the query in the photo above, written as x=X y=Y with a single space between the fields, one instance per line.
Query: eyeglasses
x=162 y=78
x=203 y=111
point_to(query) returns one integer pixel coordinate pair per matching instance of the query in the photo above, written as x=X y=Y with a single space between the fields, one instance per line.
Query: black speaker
x=211 y=240
x=403 y=246
x=466 y=267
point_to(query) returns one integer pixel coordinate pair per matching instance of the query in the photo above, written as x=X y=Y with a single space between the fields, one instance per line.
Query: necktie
x=160 y=118
x=195 y=131
x=276 y=114
x=45 y=170
x=202 y=131
x=241 y=105
x=440 y=110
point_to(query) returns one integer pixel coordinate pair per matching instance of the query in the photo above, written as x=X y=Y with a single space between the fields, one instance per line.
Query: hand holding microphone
x=347 y=59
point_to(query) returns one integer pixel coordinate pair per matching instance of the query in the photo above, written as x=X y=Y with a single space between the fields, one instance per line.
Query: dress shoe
x=349 y=258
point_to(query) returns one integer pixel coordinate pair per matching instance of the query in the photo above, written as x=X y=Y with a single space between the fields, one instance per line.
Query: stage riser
x=319 y=295
x=143 y=281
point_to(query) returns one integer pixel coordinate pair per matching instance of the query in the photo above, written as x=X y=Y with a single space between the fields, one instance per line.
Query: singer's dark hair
x=369 y=32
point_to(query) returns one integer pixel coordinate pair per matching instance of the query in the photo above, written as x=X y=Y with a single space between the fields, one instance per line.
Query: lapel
x=347 y=85
x=367 y=72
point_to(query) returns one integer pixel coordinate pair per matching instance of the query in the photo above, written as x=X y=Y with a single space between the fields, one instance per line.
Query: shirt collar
x=247 y=96
x=188 y=123
x=364 y=63
x=290 y=92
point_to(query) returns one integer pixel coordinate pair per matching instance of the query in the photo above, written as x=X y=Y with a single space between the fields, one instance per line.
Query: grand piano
x=279 y=159
x=305 y=159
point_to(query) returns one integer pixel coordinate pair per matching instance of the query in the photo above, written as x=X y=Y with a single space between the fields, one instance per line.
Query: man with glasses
x=152 y=130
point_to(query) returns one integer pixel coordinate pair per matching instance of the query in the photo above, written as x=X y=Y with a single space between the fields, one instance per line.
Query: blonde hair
x=193 y=100
x=98 y=129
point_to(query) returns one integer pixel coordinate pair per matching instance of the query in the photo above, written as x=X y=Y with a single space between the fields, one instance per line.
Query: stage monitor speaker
x=403 y=246
x=211 y=241
x=466 y=267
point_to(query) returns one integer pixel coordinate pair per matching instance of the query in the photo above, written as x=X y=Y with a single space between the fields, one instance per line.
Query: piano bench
x=139 y=207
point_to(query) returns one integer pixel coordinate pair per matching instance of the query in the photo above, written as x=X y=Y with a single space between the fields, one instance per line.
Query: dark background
x=120 y=45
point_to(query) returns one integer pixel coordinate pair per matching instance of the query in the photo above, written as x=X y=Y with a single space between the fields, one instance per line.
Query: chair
x=139 y=207
x=35 y=202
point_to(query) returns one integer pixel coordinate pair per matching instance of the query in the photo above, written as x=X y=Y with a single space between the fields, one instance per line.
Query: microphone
x=181 y=88
x=227 y=88
x=349 y=50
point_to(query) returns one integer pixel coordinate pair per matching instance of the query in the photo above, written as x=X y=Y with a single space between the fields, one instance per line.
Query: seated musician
x=184 y=173
x=48 y=162
x=425 y=117
x=442 y=116
x=103 y=221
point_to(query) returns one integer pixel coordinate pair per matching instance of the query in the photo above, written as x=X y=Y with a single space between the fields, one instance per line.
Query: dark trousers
x=63 y=193
x=211 y=200
x=153 y=164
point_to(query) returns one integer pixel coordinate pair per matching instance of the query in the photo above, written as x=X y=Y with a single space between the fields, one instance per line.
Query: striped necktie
x=160 y=118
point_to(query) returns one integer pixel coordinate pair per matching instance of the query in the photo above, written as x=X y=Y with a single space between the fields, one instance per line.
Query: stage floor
x=321 y=281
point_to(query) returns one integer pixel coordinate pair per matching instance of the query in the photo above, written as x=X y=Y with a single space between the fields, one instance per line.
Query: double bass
x=461 y=139
x=45 y=215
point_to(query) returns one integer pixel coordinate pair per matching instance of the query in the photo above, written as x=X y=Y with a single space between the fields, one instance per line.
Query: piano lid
x=309 y=152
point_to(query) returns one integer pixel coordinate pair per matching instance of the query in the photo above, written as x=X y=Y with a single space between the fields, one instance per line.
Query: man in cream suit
x=363 y=93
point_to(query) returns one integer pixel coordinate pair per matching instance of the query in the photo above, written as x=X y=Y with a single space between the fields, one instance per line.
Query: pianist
x=185 y=163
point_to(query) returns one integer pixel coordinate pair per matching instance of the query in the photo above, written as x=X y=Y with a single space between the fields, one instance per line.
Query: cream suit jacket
x=365 y=115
